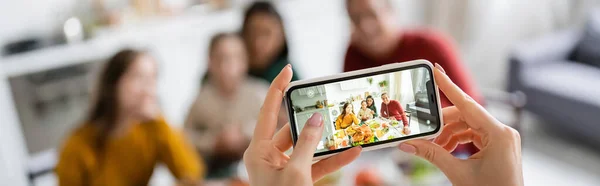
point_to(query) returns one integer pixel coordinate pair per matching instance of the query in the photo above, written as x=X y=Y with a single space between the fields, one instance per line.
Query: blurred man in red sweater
x=376 y=40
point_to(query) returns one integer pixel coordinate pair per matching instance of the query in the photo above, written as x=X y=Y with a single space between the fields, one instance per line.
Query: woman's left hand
x=265 y=159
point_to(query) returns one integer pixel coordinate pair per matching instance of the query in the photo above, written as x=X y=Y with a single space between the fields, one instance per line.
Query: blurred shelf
x=107 y=41
x=54 y=57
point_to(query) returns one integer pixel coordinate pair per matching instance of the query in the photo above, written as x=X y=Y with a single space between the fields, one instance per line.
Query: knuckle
x=468 y=99
x=248 y=154
x=429 y=155
x=293 y=170
x=512 y=133
x=516 y=134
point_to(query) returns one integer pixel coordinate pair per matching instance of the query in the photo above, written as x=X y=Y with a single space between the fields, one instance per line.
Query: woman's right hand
x=499 y=160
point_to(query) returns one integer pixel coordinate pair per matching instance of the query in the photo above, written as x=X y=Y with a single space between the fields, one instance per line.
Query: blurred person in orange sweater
x=221 y=120
x=125 y=137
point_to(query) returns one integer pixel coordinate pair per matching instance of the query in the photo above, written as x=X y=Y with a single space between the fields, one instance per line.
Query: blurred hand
x=231 y=141
x=499 y=160
x=406 y=130
x=265 y=159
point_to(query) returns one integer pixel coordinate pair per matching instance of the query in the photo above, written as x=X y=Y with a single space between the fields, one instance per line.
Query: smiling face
x=348 y=109
x=228 y=63
x=385 y=99
x=369 y=101
x=137 y=88
x=372 y=23
x=265 y=39
x=363 y=105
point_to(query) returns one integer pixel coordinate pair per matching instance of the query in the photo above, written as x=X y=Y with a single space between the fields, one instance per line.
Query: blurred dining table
x=387 y=163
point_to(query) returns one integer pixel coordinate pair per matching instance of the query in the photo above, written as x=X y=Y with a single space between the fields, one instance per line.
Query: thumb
x=430 y=152
x=308 y=141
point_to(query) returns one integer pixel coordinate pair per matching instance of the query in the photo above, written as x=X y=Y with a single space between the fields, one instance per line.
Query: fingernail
x=439 y=67
x=408 y=148
x=289 y=65
x=315 y=120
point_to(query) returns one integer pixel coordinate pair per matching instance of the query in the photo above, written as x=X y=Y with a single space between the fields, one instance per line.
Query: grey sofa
x=562 y=91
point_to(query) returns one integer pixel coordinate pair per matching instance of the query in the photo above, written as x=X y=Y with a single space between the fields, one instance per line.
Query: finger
x=308 y=141
x=461 y=100
x=451 y=114
x=463 y=138
x=432 y=153
x=283 y=138
x=451 y=90
x=334 y=163
x=267 y=120
x=450 y=130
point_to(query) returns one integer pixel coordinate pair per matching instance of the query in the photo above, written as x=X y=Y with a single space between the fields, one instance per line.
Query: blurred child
x=221 y=121
x=124 y=136
x=365 y=113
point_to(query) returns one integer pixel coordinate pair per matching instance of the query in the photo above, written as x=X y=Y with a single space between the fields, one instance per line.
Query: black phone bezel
x=433 y=109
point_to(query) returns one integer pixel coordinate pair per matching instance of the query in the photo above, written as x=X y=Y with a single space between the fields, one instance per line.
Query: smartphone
x=373 y=108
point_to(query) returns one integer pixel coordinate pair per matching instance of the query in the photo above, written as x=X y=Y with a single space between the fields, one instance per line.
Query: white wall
x=26 y=18
x=12 y=150
x=335 y=92
x=303 y=100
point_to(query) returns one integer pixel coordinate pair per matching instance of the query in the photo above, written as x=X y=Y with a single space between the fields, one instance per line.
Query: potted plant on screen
x=383 y=83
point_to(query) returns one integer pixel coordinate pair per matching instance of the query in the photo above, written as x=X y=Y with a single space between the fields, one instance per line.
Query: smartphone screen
x=368 y=109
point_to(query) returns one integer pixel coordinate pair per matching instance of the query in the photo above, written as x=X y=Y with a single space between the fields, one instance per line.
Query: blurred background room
x=536 y=64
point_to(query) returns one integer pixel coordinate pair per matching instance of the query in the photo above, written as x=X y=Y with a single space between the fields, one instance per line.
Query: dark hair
x=370 y=97
x=344 y=110
x=211 y=48
x=268 y=9
x=104 y=107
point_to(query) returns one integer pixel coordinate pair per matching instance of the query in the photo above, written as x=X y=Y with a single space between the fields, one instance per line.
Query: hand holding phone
x=395 y=88
x=468 y=122
x=268 y=165
x=265 y=160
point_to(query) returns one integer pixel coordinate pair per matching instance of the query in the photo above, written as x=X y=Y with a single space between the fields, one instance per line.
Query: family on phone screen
x=390 y=109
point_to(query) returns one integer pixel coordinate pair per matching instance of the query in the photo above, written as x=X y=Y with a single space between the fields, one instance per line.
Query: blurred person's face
x=349 y=109
x=385 y=99
x=137 y=88
x=265 y=39
x=364 y=105
x=371 y=20
x=369 y=101
x=228 y=63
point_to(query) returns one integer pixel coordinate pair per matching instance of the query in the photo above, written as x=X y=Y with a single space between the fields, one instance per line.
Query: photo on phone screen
x=370 y=109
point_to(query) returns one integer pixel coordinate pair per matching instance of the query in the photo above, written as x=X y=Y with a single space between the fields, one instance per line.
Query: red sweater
x=420 y=44
x=394 y=109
